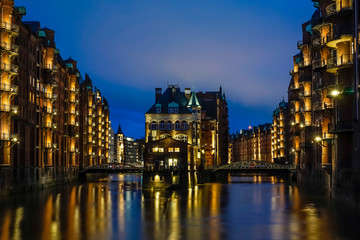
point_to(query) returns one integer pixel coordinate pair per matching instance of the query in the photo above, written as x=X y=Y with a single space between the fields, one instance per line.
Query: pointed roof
x=193 y=101
x=119 y=131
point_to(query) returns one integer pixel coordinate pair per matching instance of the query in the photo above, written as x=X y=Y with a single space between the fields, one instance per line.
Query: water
x=116 y=208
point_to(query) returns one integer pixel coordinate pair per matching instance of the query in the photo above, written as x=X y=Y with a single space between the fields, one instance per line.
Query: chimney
x=187 y=93
x=173 y=91
x=158 y=93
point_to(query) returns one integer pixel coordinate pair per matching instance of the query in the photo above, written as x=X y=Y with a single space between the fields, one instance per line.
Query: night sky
x=130 y=47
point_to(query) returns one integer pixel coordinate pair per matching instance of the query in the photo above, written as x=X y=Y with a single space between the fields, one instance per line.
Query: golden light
x=335 y=93
x=317 y=139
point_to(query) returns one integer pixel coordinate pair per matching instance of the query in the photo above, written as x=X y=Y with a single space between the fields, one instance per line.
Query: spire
x=193 y=102
x=119 y=131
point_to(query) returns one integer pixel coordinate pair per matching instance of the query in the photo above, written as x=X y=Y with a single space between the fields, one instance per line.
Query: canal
x=244 y=207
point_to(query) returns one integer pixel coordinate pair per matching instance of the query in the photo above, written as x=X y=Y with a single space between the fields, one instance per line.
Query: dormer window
x=173 y=107
x=158 y=108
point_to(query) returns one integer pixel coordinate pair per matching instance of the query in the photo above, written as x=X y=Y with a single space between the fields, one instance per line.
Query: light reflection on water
x=248 y=207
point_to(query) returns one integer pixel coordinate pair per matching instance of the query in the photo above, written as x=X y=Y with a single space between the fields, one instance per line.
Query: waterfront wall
x=15 y=180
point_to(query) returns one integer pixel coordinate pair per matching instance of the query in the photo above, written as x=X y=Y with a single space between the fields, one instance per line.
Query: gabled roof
x=193 y=101
x=171 y=96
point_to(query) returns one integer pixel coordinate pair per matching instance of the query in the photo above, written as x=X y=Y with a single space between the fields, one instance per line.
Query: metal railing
x=5 y=108
x=10 y=27
x=9 y=88
x=323 y=106
x=344 y=59
x=337 y=7
x=319 y=63
x=9 y=67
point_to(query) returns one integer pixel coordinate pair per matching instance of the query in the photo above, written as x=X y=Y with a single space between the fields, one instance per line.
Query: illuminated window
x=177 y=149
x=155 y=149
x=171 y=150
x=161 y=149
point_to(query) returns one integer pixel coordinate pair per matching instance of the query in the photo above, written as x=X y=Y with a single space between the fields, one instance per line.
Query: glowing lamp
x=335 y=93
x=317 y=139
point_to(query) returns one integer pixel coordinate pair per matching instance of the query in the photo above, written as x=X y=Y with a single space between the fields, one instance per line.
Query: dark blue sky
x=130 y=47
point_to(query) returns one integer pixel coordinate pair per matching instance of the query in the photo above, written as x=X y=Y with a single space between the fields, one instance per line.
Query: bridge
x=253 y=166
x=109 y=169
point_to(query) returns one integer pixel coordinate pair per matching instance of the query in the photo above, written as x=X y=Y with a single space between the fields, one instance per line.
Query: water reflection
x=247 y=207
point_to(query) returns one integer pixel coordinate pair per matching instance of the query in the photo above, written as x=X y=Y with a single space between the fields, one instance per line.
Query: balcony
x=335 y=63
x=320 y=106
x=319 y=63
x=50 y=67
x=9 y=137
x=341 y=127
x=47 y=145
x=10 y=27
x=54 y=97
x=318 y=42
x=12 y=48
x=342 y=33
x=303 y=64
x=9 y=68
x=337 y=7
x=47 y=95
x=13 y=89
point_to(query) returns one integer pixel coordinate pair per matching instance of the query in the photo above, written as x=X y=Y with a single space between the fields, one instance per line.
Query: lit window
x=171 y=149
x=177 y=149
x=161 y=149
x=155 y=149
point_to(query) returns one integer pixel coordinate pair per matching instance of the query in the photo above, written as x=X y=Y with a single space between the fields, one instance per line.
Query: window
x=177 y=126
x=158 y=110
x=171 y=150
x=155 y=149
x=169 y=126
x=162 y=125
x=173 y=110
x=184 y=126
x=161 y=149
x=153 y=126
x=177 y=149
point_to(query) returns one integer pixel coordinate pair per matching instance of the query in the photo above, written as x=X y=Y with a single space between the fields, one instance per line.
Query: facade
x=280 y=135
x=252 y=144
x=196 y=123
x=196 y=118
x=215 y=127
x=41 y=118
x=323 y=101
x=170 y=163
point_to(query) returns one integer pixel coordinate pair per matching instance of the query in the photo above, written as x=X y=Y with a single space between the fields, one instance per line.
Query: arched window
x=169 y=126
x=184 y=126
x=153 y=126
x=162 y=125
x=177 y=126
